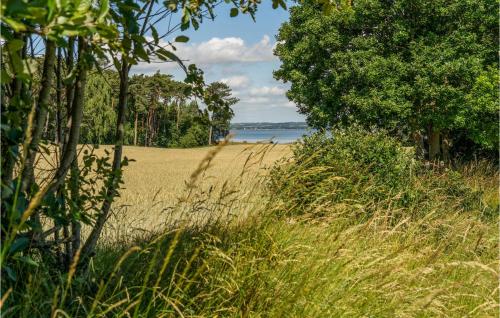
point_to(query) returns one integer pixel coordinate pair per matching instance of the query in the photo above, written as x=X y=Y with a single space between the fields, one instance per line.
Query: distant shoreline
x=268 y=126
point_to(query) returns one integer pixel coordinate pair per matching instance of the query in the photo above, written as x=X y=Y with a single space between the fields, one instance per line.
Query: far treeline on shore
x=266 y=125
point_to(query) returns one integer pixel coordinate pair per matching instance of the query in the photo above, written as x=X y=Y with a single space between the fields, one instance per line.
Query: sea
x=280 y=136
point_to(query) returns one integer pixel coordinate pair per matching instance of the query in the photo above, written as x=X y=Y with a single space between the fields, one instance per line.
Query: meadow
x=288 y=231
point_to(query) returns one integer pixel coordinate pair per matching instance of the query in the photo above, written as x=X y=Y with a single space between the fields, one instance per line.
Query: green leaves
x=280 y=3
x=18 y=67
x=19 y=244
x=182 y=39
x=103 y=10
x=408 y=75
x=233 y=12
x=15 y=25
x=154 y=32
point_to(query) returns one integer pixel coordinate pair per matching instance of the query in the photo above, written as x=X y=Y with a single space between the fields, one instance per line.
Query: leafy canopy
x=405 y=65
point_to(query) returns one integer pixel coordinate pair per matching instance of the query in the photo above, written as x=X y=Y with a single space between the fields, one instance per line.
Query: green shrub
x=360 y=172
x=196 y=136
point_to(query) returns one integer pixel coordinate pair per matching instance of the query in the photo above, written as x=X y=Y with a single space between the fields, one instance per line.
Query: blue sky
x=237 y=51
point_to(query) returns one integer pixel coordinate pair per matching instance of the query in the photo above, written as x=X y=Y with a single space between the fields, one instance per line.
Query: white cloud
x=235 y=82
x=214 y=51
x=264 y=97
x=266 y=90
x=228 y=50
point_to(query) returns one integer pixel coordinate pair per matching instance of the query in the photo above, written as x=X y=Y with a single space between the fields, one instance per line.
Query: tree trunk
x=46 y=129
x=59 y=134
x=74 y=121
x=210 y=129
x=74 y=183
x=445 y=147
x=70 y=88
x=178 y=109
x=40 y=115
x=73 y=137
x=76 y=207
x=136 y=119
x=434 y=143
x=115 y=177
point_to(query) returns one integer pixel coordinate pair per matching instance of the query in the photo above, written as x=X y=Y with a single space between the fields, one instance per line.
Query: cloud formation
x=264 y=97
x=236 y=82
x=266 y=90
x=229 y=50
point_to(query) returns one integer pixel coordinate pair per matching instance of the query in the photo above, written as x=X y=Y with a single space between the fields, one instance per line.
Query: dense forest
x=161 y=112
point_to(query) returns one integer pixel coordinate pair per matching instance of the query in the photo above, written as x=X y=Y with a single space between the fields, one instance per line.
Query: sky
x=239 y=52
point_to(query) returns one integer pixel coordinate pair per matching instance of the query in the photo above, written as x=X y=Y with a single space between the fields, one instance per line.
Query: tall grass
x=329 y=233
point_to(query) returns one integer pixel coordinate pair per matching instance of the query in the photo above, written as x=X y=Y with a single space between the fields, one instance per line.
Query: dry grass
x=437 y=260
x=157 y=179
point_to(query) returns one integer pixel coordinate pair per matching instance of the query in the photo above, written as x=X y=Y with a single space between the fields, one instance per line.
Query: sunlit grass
x=223 y=250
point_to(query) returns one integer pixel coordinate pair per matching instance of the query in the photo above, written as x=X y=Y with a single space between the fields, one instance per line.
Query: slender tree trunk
x=59 y=134
x=40 y=115
x=210 y=129
x=46 y=129
x=136 y=119
x=78 y=93
x=73 y=135
x=178 y=114
x=70 y=88
x=144 y=130
x=76 y=206
x=434 y=143
x=71 y=144
x=113 y=182
x=68 y=252
x=59 y=255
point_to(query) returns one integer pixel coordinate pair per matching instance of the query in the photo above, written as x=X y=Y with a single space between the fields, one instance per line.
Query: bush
x=196 y=136
x=360 y=172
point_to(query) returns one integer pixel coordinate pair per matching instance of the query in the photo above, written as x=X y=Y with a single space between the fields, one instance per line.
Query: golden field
x=158 y=179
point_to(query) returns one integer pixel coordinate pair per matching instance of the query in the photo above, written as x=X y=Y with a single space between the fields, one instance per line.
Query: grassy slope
x=437 y=265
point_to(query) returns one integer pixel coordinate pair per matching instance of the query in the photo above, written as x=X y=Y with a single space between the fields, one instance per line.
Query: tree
x=408 y=66
x=219 y=100
x=99 y=114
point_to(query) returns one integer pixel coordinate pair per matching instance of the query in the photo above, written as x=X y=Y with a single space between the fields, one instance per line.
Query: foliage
x=411 y=67
x=99 y=115
x=219 y=101
x=54 y=70
x=363 y=171
x=480 y=116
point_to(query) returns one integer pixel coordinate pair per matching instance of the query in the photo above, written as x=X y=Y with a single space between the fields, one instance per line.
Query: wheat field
x=157 y=179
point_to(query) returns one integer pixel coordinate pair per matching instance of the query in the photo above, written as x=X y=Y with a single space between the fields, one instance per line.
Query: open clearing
x=158 y=177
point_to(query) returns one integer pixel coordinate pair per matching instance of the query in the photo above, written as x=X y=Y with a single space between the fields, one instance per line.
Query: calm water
x=282 y=136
